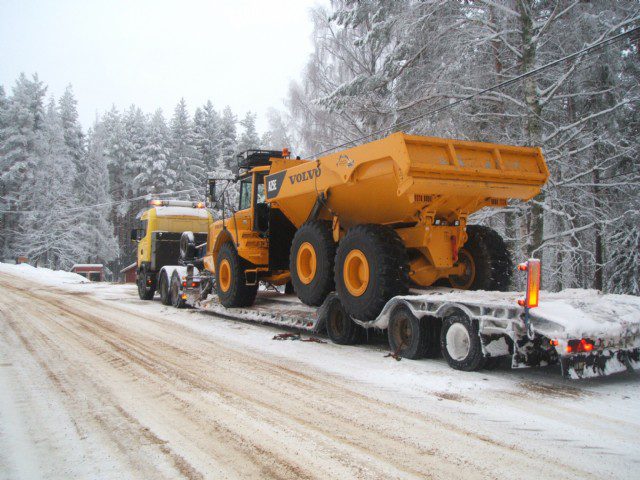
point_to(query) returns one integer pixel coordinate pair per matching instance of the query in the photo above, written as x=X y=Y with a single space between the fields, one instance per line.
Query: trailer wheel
x=408 y=335
x=488 y=264
x=340 y=328
x=174 y=291
x=146 y=290
x=163 y=287
x=371 y=267
x=460 y=343
x=311 y=262
x=231 y=285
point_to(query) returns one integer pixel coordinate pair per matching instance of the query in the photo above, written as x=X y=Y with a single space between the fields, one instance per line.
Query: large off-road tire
x=146 y=290
x=407 y=334
x=488 y=264
x=371 y=267
x=231 y=285
x=460 y=343
x=340 y=328
x=175 y=293
x=311 y=262
x=163 y=288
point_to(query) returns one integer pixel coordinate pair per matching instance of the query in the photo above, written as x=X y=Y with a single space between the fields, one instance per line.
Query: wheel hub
x=464 y=281
x=356 y=272
x=458 y=342
x=224 y=275
x=306 y=263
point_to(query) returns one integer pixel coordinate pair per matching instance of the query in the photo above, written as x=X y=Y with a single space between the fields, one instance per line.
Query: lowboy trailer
x=585 y=332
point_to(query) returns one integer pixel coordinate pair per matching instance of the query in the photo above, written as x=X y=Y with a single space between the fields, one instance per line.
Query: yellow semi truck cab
x=158 y=237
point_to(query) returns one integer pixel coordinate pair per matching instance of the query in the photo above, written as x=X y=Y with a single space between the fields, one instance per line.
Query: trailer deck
x=610 y=323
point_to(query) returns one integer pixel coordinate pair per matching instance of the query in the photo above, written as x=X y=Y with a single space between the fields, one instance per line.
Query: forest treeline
x=375 y=65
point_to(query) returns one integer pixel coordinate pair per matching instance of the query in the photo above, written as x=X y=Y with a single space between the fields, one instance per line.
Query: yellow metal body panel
x=388 y=180
x=167 y=223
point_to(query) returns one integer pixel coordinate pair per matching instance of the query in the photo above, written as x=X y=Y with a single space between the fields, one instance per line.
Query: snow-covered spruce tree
x=228 y=141
x=156 y=175
x=51 y=233
x=23 y=120
x=115 y=152
x=185 y=161
x=98 y=240
x=4 y=107
x=72 y=131
x=208 y=135
x=249 y=138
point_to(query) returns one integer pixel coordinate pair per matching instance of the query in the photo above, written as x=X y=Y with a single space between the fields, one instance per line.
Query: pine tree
x=50 y=234
x=72 y=131
x=249 y=139
x=156 y=175
x=98 y=240
x=208 y=134
x=228 y=143
x=189 y=167
x=24 y=118
x=135 y=142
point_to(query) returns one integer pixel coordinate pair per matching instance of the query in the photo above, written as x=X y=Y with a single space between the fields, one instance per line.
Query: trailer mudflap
x=601 y=363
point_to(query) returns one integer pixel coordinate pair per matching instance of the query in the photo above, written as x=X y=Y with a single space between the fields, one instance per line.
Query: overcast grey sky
x=241 y=53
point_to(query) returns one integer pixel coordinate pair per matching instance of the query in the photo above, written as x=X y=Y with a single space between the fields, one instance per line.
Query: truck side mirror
x=134 y=235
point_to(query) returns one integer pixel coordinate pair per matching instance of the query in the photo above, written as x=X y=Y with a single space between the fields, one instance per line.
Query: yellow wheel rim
x=465 y=281
x=306 y=263
x=224 y=275
x=356 y=272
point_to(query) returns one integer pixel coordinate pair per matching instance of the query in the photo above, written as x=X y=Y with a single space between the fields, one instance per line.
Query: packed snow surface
x=95 y=383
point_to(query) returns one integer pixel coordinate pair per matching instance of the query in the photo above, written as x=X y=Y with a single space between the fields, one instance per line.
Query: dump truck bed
x=402 y=173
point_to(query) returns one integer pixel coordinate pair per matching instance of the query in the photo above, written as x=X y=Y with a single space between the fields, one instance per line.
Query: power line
x=106 y=204
x=589 y=49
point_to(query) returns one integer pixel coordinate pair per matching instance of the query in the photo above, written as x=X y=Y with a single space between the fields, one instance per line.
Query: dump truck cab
x=258 y=232
x=158 y=237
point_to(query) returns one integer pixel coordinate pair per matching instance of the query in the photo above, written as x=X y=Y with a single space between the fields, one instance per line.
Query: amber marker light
x=532 y=267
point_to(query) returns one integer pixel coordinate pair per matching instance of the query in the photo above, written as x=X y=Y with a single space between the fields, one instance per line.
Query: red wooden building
x=93 y=271
x=128 y=274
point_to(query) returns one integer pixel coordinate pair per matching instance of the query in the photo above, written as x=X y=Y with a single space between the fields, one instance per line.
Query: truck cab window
x=245 y=194
x=260 y=193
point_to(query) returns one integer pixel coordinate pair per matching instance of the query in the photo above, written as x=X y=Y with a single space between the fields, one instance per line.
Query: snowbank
x=42 y=275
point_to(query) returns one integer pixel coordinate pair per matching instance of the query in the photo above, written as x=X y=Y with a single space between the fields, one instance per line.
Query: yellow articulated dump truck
x=369 y=222
x=363 y=235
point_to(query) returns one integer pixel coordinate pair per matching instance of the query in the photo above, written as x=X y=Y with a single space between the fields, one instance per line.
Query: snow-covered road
x=95 y=383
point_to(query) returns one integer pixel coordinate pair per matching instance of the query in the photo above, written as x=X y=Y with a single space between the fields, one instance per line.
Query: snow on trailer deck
x=95 y=383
